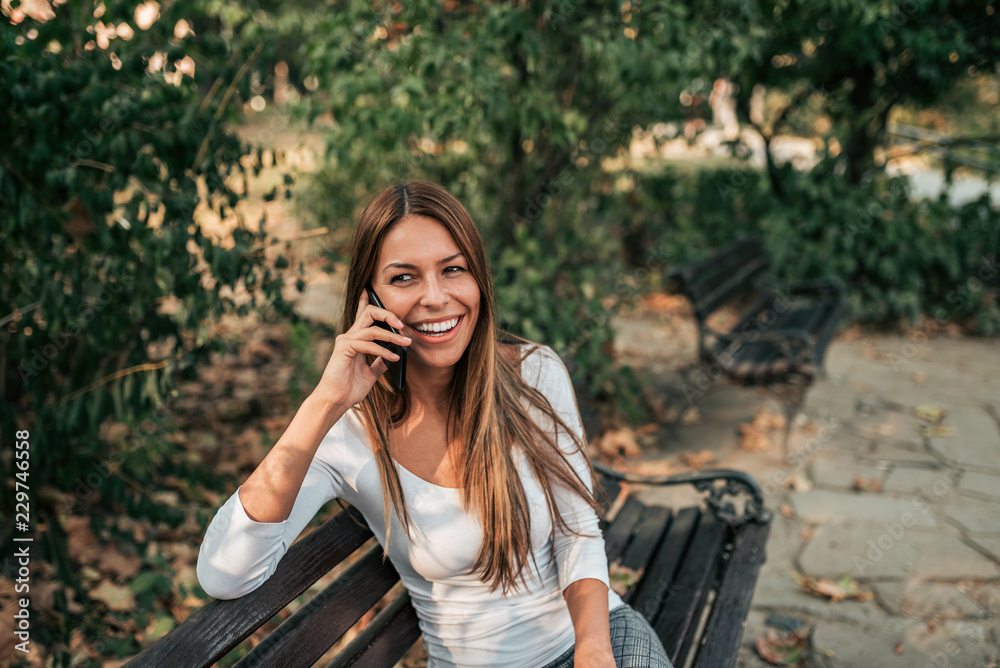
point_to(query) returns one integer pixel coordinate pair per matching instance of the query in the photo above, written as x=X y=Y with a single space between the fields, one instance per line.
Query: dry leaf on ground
x=116 y=598
x=756 y=436
x=691 y=417
x=919 y=377
x=661 y=302
x=937 y=430
x=698 y=460
x=861 y=484
x=784 y=649
x=786 y=510
x=623 y=578
x=618 y=443
x=844 y=588
x=929 y=413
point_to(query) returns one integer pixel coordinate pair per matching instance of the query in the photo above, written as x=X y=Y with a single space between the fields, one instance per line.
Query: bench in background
x=780 y=340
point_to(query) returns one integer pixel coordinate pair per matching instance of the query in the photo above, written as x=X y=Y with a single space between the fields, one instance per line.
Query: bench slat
x=654 y=586
x=648 y=533
x=385 y=640
x=619 y=533
x=305 y=636
x=685 y=600
x=721 y=639
x=220 y=626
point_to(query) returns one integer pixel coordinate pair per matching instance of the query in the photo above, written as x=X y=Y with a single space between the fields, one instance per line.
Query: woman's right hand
x=348 y=378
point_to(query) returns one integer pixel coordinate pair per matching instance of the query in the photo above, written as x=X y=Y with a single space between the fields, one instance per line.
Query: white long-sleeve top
x=462 y=622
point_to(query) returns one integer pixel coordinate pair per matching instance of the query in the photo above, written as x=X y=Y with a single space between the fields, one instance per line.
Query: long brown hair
x=489 y=409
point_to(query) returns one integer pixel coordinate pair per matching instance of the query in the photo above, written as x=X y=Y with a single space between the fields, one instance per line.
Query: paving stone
x=867 y=551
x=853 y=645
x=976 y=441
x=976 y=516
x=991 y=545
x=875 y=645
x=826 y=399
x=841 y=445
x=986 y=595
x=823 y=506
x=837 y=473
x=776 y=590
x=922 y=600
x=884 y=424
x=903 y=453
x=980 y=483
x=927 y=483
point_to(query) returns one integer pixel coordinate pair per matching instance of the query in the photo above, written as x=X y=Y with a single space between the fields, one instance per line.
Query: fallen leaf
x=799 y=482
x=786 y=510
x=623 y=578
x=116 y=598
x=929 y=413
x=661 y=302
x=898 y=649
x=783 y=649
x=845 y=587
x=618 y=443
x=919 y=377
x=756 y=436
x=753 y=439
x=118 y=565
x=884 y=429
x=698 y=460
x=691 y=417
x=867 y=484
x=937 y=430
x=863 y=388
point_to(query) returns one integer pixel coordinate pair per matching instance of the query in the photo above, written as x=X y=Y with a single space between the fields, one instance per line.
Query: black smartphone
x=397 y=369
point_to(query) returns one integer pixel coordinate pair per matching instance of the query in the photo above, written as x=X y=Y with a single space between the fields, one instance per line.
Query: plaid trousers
x=633 y=642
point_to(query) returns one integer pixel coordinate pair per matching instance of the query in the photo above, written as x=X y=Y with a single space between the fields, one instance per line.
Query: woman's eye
x=402 y=278
x=454 y=270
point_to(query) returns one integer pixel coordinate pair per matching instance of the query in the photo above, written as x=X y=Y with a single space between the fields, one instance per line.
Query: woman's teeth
x=437 y=328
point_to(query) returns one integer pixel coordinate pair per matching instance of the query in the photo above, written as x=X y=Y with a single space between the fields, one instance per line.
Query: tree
x=519 y=109
x=852 y=61
x=110 y=158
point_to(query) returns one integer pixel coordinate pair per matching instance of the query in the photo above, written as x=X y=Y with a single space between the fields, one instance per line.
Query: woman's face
x=424 y=278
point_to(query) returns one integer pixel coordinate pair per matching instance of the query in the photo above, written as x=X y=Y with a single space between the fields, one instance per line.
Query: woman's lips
x=435 y=337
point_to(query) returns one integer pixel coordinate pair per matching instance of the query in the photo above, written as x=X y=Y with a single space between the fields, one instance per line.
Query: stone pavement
x=923 y=532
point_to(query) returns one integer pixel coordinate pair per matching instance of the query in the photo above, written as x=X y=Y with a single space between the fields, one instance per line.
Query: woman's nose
x=435 y=294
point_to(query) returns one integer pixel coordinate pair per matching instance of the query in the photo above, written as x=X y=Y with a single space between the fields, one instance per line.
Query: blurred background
x=179 y=181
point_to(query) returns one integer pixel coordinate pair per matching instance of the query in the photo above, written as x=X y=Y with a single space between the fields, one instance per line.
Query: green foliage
x=852 y=61
x=515 y=109
x=899 y=258
x=110 y=283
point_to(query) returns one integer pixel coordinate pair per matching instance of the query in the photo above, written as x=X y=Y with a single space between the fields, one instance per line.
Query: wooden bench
x=695 y=572
x=780 y=340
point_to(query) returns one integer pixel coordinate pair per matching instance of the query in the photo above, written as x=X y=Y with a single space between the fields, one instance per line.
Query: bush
x=900 y=259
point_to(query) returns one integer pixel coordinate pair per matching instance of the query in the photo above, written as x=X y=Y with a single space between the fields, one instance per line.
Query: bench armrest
x=734 y=484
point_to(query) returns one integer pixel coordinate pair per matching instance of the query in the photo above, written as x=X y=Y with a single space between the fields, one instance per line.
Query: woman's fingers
x=372 y=348
x=371 y=314
x=376 y=333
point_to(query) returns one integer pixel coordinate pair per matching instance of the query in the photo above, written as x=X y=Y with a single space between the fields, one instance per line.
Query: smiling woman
x=474 y=478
